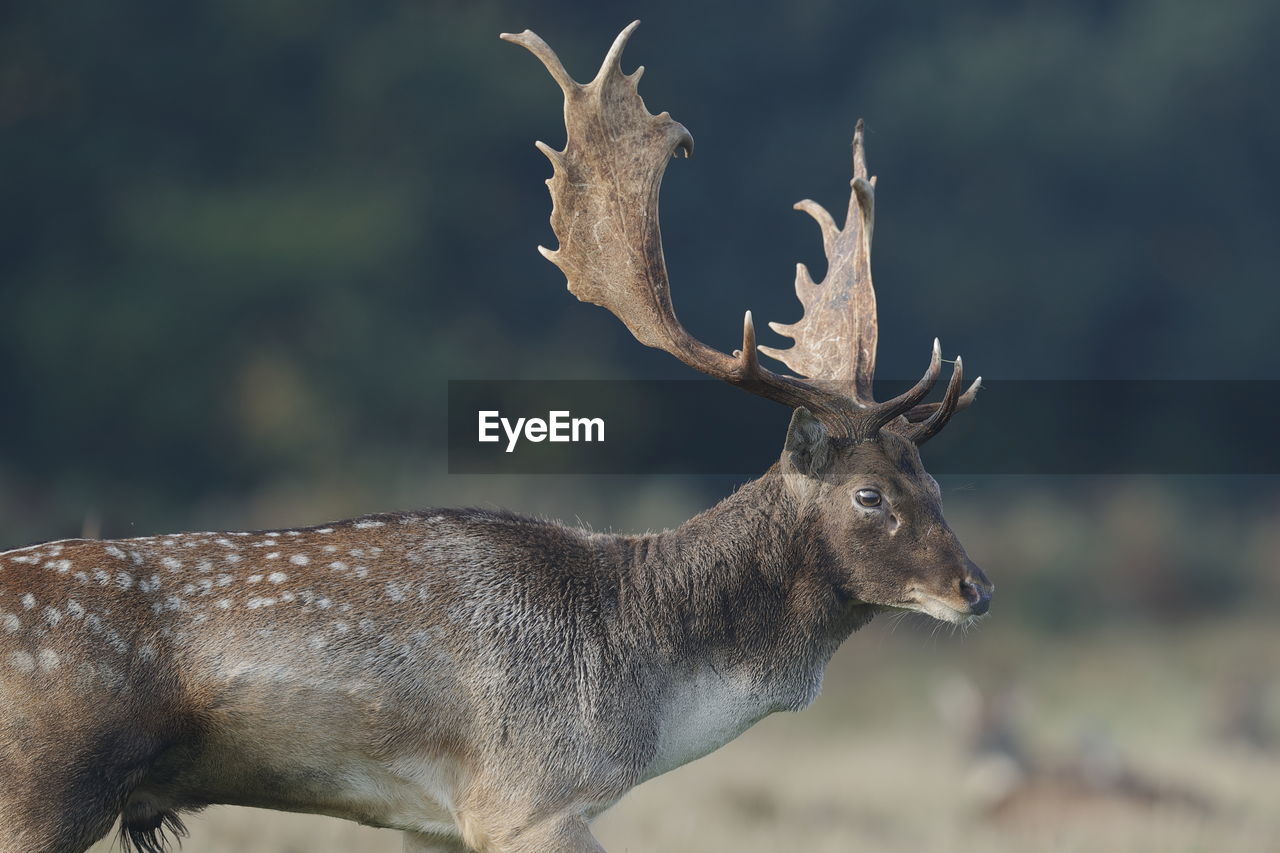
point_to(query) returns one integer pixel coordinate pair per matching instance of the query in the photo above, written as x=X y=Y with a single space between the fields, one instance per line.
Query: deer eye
x=867 y=497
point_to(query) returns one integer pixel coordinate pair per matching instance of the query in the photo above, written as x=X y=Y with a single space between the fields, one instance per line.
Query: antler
x=604 y=194
x=836 y=337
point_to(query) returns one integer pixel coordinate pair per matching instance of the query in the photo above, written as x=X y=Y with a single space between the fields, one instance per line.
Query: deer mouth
x=940 y=608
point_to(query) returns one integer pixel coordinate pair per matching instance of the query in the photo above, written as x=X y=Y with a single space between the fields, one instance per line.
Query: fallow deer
x=478 y=680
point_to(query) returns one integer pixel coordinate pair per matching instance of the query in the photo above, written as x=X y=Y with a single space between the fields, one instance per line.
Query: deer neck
x=748 y=587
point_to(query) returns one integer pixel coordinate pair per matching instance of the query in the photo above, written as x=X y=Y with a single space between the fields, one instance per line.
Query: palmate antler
x=604 y=193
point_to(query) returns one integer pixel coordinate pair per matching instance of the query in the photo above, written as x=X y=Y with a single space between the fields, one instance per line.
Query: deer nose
x=977 y=595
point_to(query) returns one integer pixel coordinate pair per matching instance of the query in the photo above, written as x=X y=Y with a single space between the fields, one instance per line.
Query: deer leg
x=416 y=842
x=37 y=816
x=62 y=787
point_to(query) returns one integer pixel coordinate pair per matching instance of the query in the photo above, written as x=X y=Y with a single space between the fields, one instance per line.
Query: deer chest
x=702 y=710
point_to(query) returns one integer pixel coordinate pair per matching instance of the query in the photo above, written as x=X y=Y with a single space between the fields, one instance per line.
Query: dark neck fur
x=747 y=582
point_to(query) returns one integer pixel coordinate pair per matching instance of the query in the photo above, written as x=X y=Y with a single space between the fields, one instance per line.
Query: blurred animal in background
x=1010 y=781
x=1246 y=711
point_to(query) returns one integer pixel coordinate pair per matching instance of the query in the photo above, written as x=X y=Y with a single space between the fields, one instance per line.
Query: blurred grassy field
x=873 y=766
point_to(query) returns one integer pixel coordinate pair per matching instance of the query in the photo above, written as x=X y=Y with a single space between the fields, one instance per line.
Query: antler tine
x=532 y=42
x=859 y=151
x=830 y=231
x=613 y=59
x=864 y=188
x=927 y=430
x=748 y=361
x=925 y=410
x=883 y=413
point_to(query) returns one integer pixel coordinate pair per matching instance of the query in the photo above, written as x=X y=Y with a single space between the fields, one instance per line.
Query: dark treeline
x=250 y=240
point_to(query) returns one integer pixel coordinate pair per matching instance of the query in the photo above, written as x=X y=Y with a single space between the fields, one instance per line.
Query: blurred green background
x=244 y=245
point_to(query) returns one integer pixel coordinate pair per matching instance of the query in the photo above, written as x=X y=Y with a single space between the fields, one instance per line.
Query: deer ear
x=808 y=447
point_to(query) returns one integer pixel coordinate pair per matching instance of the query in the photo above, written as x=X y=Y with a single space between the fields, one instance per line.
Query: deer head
x=853 y=462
